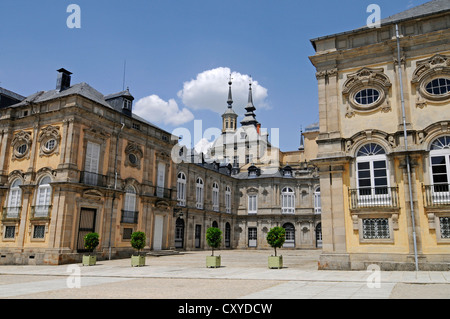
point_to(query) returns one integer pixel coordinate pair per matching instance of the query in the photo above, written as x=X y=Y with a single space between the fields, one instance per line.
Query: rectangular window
x=252 y=204
x=445 y=227
x=376 y=228
x=228 y=202
x=127 y=233
x=39 y=231
x=10 y=232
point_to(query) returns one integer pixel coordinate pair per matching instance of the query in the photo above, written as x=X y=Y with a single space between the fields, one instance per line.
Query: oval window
x=439 y=86
x=367 y=97
x=50 y=145
x=22 y=149
x=133 y=159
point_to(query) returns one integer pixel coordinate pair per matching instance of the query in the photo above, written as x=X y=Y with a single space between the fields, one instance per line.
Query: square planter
x=276 y=262
x=212 y=261
x=137 y=261
x=89 y=260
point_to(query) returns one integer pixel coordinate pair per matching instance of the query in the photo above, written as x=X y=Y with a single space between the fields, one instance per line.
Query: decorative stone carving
x=133 y=155
x=21 y=145
x=49 y=140
x=366 y=78
x=438 y=66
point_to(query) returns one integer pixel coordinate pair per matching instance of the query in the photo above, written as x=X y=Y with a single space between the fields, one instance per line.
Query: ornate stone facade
x=383 y=153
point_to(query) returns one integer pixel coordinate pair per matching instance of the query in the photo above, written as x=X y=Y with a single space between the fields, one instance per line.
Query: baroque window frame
x=366 y=78
x=435 y=67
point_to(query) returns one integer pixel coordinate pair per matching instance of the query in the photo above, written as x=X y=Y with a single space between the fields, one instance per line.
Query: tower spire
x=229 y=118
x=250 y=117
x=230 y=97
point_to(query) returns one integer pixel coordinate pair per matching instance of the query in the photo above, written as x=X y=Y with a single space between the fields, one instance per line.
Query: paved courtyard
x=243 y=275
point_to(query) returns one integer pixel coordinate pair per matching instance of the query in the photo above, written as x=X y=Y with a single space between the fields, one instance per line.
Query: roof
x=11 y=94
x=426 y=9
x=82 y=89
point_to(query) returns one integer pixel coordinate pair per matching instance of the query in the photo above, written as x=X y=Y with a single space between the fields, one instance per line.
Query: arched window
x=199 y=193
x=215 y=197
x=287 y=201
x=317 y=201
x=215 y=224
x=181 y=189
x=43 y=197
x=228 y=199
x=440 y=165
x=372 y=175
x=14 y=199
x=290 y=235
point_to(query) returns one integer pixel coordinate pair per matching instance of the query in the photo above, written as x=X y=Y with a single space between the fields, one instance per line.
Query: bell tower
x=229 y=118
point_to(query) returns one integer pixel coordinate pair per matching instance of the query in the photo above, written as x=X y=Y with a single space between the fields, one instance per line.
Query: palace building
x=73 y=161
x=384 y=142
x=245 y=186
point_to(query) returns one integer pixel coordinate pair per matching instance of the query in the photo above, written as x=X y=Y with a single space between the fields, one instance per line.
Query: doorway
x=86 y=226
x=158 y=232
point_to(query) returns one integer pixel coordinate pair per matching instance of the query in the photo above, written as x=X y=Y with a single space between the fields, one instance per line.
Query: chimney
x=63 y=80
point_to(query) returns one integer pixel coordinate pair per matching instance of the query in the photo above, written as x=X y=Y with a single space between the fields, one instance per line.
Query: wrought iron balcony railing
x=130 y=217
x=437 y=195
x=162 y=192
x=93 y=179
x=377 y=197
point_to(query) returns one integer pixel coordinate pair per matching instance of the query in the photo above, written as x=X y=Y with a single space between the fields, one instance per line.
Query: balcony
x=162 y=192
x=378 y=197
x=129 y=217
x=93 y=179
x=437 y=195
x=11 y=212
x=41 y=211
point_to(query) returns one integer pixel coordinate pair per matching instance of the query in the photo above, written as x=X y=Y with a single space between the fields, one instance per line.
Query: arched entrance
x=290 y=235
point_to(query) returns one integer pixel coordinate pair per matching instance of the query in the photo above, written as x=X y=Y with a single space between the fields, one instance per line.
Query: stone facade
x=383 y=173
x=72 y=163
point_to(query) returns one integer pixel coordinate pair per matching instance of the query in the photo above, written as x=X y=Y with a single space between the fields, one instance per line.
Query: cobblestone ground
x=243 y=275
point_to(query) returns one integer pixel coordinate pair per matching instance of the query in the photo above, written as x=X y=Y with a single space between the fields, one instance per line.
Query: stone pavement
x=243 y=275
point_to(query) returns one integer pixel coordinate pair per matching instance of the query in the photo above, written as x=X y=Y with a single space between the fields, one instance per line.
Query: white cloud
x=203 y=146
x=210 y=91
x=156 y=110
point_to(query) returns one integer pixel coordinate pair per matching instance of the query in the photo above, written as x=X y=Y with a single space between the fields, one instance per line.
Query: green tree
x=213 y=238
x=138 y=240
x=276 y=237
x=91 y=241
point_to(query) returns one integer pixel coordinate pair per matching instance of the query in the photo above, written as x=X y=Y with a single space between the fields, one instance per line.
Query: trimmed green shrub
x=91 y=241
x=276 y=237
x=138 y=241
x=213 y=238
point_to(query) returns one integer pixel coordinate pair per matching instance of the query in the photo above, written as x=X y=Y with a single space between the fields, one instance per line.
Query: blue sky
x=178 y=53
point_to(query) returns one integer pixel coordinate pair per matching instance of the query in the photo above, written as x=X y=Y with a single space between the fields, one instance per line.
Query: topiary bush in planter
x=276 y=238
x=138 y=242
x=91 y=242
x=214 y=239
